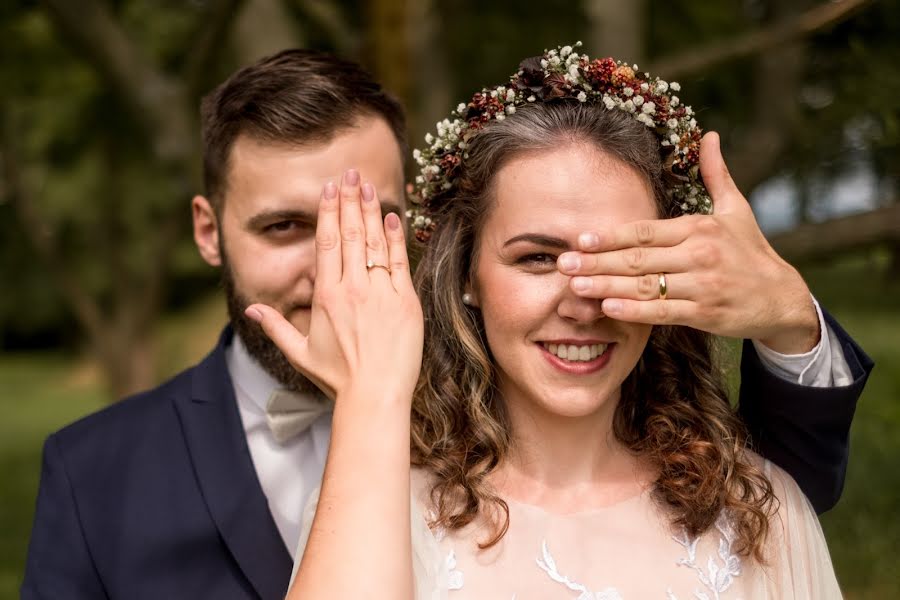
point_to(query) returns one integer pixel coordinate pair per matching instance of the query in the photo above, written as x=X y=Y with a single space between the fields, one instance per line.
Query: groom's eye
x=288 y=229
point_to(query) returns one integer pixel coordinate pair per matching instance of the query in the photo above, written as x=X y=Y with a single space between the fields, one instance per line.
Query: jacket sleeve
x=59 y=563
x=804 y=430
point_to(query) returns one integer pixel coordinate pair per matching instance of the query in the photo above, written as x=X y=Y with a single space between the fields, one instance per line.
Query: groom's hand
x=721 y=274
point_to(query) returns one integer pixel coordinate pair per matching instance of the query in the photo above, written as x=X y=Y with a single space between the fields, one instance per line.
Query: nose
x=576 y=308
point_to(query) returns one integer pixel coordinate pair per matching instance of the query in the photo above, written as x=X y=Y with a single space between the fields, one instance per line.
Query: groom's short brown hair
x=295 y=97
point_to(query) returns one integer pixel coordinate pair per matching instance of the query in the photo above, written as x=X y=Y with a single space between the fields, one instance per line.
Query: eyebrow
x=539 y=239
x=264 y=218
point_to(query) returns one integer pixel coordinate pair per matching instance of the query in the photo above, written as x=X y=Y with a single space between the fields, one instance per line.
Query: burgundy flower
x=531 y=76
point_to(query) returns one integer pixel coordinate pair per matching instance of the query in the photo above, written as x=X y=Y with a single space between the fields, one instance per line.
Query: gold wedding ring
x=663 y=288
x=371 y=265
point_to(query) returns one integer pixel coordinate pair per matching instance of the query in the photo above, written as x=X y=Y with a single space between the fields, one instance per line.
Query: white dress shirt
x=290 y=472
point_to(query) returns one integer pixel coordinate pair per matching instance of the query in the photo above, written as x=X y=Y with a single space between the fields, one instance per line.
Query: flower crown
x=563 y=73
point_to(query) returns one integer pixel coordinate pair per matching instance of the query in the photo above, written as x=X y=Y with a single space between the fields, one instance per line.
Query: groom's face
x=264 y=234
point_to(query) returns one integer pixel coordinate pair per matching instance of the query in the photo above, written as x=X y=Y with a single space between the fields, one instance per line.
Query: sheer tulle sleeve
x=429 y=569
x=799 y=565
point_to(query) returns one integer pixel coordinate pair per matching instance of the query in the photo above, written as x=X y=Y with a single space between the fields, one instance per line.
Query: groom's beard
x=258 y=344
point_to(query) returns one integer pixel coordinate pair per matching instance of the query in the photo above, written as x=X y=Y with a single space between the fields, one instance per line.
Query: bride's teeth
x=576 y=353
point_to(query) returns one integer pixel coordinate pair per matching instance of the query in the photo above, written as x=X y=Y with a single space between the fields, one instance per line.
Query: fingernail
x=582 y=284
x=611 y=307
x=368 y=192
x=351 y=177
x=588 y=240
x=330 y=190
x=569 y=262
x=392 y=221
x=254 y=314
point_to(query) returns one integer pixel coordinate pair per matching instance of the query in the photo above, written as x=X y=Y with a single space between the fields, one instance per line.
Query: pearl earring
x=467 y=299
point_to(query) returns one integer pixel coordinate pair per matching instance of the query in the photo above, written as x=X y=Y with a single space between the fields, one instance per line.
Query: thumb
x=725 y=195
x=293 y=344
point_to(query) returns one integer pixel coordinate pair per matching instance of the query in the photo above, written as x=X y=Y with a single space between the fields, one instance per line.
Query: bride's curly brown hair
x=673 y=411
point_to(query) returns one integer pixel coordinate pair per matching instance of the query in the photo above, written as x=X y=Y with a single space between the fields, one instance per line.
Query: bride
x=557 y=452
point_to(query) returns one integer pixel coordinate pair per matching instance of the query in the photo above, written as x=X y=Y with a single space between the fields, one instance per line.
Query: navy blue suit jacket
x=156 y=497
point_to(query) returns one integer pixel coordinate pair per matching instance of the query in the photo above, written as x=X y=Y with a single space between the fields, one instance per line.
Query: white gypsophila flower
x=500 y=116
x=688 y=110
x=429 y=138
x=661 y=86
x=554 y=60
x=645 y=119
x=501 y=91
x=649 y=108
x=644 y=87
x=609 y=102
x=510 y=95
x=552 y=53
x=588 y=87
x=447 y=185
x=417 y=154
x=531 y=98
x=420 y=179
x=544 y=63
x=511 y=109
x=675 y=101
x=462 y=145
x=409 y=214
x=628 y=92
x=676 y=87
x=493 y=93
x=692 y=123
x=628 y=105
x=582 y=97
x=573 y=71
x=565 y=51
x=441 y=130
x=674 y=139
x=672 y=123
x=461 y=108
x=665 y=143
x=419 y=221
x=638 y=100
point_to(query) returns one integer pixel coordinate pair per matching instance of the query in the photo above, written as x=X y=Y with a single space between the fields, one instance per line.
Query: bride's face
x=542 y=202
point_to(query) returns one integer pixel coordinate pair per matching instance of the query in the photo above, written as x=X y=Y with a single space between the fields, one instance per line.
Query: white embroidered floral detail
x=455 y=578
x=719 y=574
x=548 y=565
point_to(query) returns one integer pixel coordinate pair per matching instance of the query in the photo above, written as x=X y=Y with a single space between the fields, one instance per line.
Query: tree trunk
x=389 y=48
x=617 y=29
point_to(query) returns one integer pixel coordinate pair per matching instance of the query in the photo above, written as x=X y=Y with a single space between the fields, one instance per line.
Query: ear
x=206 y=230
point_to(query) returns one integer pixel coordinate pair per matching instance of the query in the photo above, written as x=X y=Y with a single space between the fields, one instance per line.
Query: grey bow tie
x=289 y=413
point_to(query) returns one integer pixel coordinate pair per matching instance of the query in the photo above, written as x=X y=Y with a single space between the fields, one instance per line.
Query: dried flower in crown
x=564 y=73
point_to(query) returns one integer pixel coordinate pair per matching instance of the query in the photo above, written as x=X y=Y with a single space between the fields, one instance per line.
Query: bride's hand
x=366 y=326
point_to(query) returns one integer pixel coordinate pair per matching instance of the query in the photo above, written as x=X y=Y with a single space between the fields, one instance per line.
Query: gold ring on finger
x=663 y=287
x=371 y=264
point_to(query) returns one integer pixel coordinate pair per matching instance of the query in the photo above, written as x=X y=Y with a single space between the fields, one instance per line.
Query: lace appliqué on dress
x=719 y=574
x=548 y=565
x=455 y=579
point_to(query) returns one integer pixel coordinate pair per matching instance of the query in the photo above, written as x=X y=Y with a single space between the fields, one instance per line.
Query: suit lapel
x=218 y=447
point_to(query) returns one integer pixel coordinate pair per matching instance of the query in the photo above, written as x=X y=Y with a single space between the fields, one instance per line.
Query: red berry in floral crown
x=564 y=74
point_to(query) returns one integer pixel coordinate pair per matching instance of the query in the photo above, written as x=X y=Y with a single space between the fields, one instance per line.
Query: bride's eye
x=538 y=259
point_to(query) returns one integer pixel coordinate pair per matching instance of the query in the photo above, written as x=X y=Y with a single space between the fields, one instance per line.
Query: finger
x=397 y=256
x=631 y=261
x=376 y=244
x=353 y=242
x=648 y=233
x=328 y=237
x=725 y=194
x=291 y=342
x=642 y=287
x=652 y=312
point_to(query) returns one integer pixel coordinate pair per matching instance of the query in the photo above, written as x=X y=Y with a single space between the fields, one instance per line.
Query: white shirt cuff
x=823 y=366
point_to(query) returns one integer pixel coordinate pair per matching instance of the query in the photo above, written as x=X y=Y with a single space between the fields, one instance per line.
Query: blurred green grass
x=41 y=392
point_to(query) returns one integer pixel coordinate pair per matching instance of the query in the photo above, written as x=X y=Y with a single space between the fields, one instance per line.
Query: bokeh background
x=102 y=292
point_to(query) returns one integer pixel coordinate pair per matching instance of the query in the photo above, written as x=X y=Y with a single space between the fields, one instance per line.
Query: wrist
x=799 y=330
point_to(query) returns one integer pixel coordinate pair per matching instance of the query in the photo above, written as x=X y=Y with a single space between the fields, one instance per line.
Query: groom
x=195 y=489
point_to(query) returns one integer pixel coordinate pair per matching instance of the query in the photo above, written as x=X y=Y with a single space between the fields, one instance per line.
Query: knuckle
x=634 y=258
x=643 y=232
x=326 y=241
x=648 y=286
x=351 y=233
x=373 y=243
x=708 y=225
x=663 y=311
x=707 y=256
